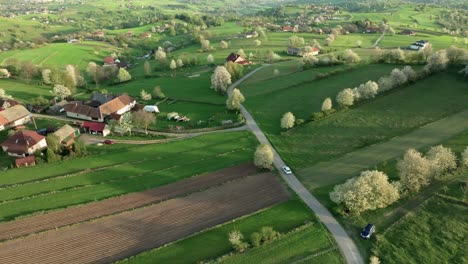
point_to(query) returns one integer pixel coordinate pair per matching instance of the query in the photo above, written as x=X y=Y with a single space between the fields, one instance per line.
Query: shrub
x=268 y=234
x=255 y=239
x=287 y=121
x=300 y=121
x=345 y=97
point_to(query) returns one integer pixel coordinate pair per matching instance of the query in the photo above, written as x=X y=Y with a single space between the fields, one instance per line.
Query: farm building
x=302 y=51
x=419 y=45
x=111 y=109
x=151 y=109
x=108 y=61
x=7 y=103
x=236 y=58
x=372 y=30
x=96 y=128
x=408 y=32
x=287 y=29
x=24 y=143
x=25 y=162
x=81 y=111
x=66 y=135
x=14 y=116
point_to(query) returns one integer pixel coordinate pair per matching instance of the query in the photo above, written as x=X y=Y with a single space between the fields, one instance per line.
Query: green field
x=213 y=243
x=61 y=54
x=374 y=121
x=117 y=172
x=25 y=92
x=440 y=228
x=300 y=245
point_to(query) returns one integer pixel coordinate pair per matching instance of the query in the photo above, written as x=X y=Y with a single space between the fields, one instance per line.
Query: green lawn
x=115 y=173
x=213 y=243
x=25 y=92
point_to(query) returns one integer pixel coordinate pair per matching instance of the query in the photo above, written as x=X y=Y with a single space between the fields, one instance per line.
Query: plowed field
x=110 y=206
x=116 y=237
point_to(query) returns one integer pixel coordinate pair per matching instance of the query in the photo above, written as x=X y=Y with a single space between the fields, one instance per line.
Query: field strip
x=127 y=234
x=315 y=255
x=54 y=219
x=52 y=187
x=338 y=170
x=47 y=58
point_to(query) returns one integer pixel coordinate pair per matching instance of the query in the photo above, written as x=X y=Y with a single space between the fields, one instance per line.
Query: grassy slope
x=214 y=243
x=173 y=161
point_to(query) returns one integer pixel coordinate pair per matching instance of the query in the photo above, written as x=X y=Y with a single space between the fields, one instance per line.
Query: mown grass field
x=25 y=92
x=373 y=121
x=111 y=173
x=213 y=243
x=61 y=54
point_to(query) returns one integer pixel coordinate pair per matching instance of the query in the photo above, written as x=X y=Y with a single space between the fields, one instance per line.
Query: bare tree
x=143 y=119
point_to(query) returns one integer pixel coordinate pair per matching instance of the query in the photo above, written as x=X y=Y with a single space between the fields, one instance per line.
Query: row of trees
x=265 y=235
x=372 y=189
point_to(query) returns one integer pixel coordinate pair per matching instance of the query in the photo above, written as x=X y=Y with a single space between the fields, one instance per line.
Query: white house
x=419 y=45
x=24 y=143
x=14 y=116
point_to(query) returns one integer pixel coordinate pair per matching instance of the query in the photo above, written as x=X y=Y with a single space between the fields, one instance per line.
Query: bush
x=300 y=121
x=268 y=234
x=255 y=239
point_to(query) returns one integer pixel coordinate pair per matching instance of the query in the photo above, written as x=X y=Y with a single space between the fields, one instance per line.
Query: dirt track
x=34 y=224
x=116 y=237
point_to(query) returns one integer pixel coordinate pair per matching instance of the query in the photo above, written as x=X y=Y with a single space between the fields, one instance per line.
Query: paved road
x=337 y=170
x=347 y=247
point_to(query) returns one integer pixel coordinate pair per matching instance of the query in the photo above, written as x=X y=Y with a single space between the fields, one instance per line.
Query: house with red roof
x=146 y=35
x=287 y=29
x=25 y=162
x=96 y=128
x=24 y=143
x=109 y=61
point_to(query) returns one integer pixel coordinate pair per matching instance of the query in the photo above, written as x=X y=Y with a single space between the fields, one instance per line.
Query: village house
x=408 y=32
x=14 y=116
x=419 y=45
x=25 y=162
x=105 y=109
x=372 y=30
x=7 y=103
x=236 y=58
x=96 y=128
x=287 y=29
x=109 y=61
x=24 y=143
x=301 y=51
x=66 y=135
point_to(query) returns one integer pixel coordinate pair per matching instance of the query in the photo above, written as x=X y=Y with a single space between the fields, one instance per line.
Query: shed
x=151 y=109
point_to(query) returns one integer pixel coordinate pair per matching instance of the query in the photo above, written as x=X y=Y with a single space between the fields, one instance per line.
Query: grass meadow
x=115 y=172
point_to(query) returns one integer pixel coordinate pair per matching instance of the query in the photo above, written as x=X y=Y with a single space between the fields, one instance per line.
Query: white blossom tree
x=398 y=77
x=145 y=96
x=442 y=160
x=235 y=100
x=220 y=79
x=288 y=120
x=60 y=92
x=4 y=74
x=46 y=76
x=3 y=95
x=464 y=158
x=368 y=90
x=180 y=63
x=409 y=73
x=205 y=44
x=414 y=171
x=160 y=55
x=345 y=97
x=173 y=66
x=350 y=56
x=263 y=157
x=257 y=43
x=126 y=123
x=210 y=59
x=224 y=44
x=123 y=75
x=295 y=41
x=327 y=104
x=437 y=62
x=369 y=191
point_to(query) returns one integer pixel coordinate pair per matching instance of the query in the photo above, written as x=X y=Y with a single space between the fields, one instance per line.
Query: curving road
x=346 y=245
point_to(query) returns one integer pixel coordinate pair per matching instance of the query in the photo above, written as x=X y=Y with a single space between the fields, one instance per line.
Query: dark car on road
x=367 y=232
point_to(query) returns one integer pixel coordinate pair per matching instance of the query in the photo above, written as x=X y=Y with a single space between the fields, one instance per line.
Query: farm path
x=55 y=219
x=346 y=245
x=110 y=239
x=340 y=169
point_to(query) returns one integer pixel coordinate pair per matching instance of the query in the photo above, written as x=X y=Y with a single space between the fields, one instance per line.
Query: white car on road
x=286 y=170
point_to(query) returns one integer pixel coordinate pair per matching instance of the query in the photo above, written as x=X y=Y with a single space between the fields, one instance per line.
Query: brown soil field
x=55 y=219
x=112 y=238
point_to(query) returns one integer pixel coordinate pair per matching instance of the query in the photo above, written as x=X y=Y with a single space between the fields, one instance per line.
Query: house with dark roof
x=66 y=135
x=236 y=58
x=96 y=128
x=80 y=111
x=408 y=32
x=419 y=45
x=7 y=103
x=14 y=116
x=24 y=143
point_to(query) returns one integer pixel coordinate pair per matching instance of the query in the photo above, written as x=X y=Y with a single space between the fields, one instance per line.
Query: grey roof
x=13 y=113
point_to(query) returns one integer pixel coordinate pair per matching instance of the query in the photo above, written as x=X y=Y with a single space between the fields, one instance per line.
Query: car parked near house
x=108 y=142
x=367 y=232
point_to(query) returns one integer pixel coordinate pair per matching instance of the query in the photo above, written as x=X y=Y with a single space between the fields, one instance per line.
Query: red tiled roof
x=21 y=141
x=116 y=104
x=26 y=160
x=94 y=126
x=108 y=60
